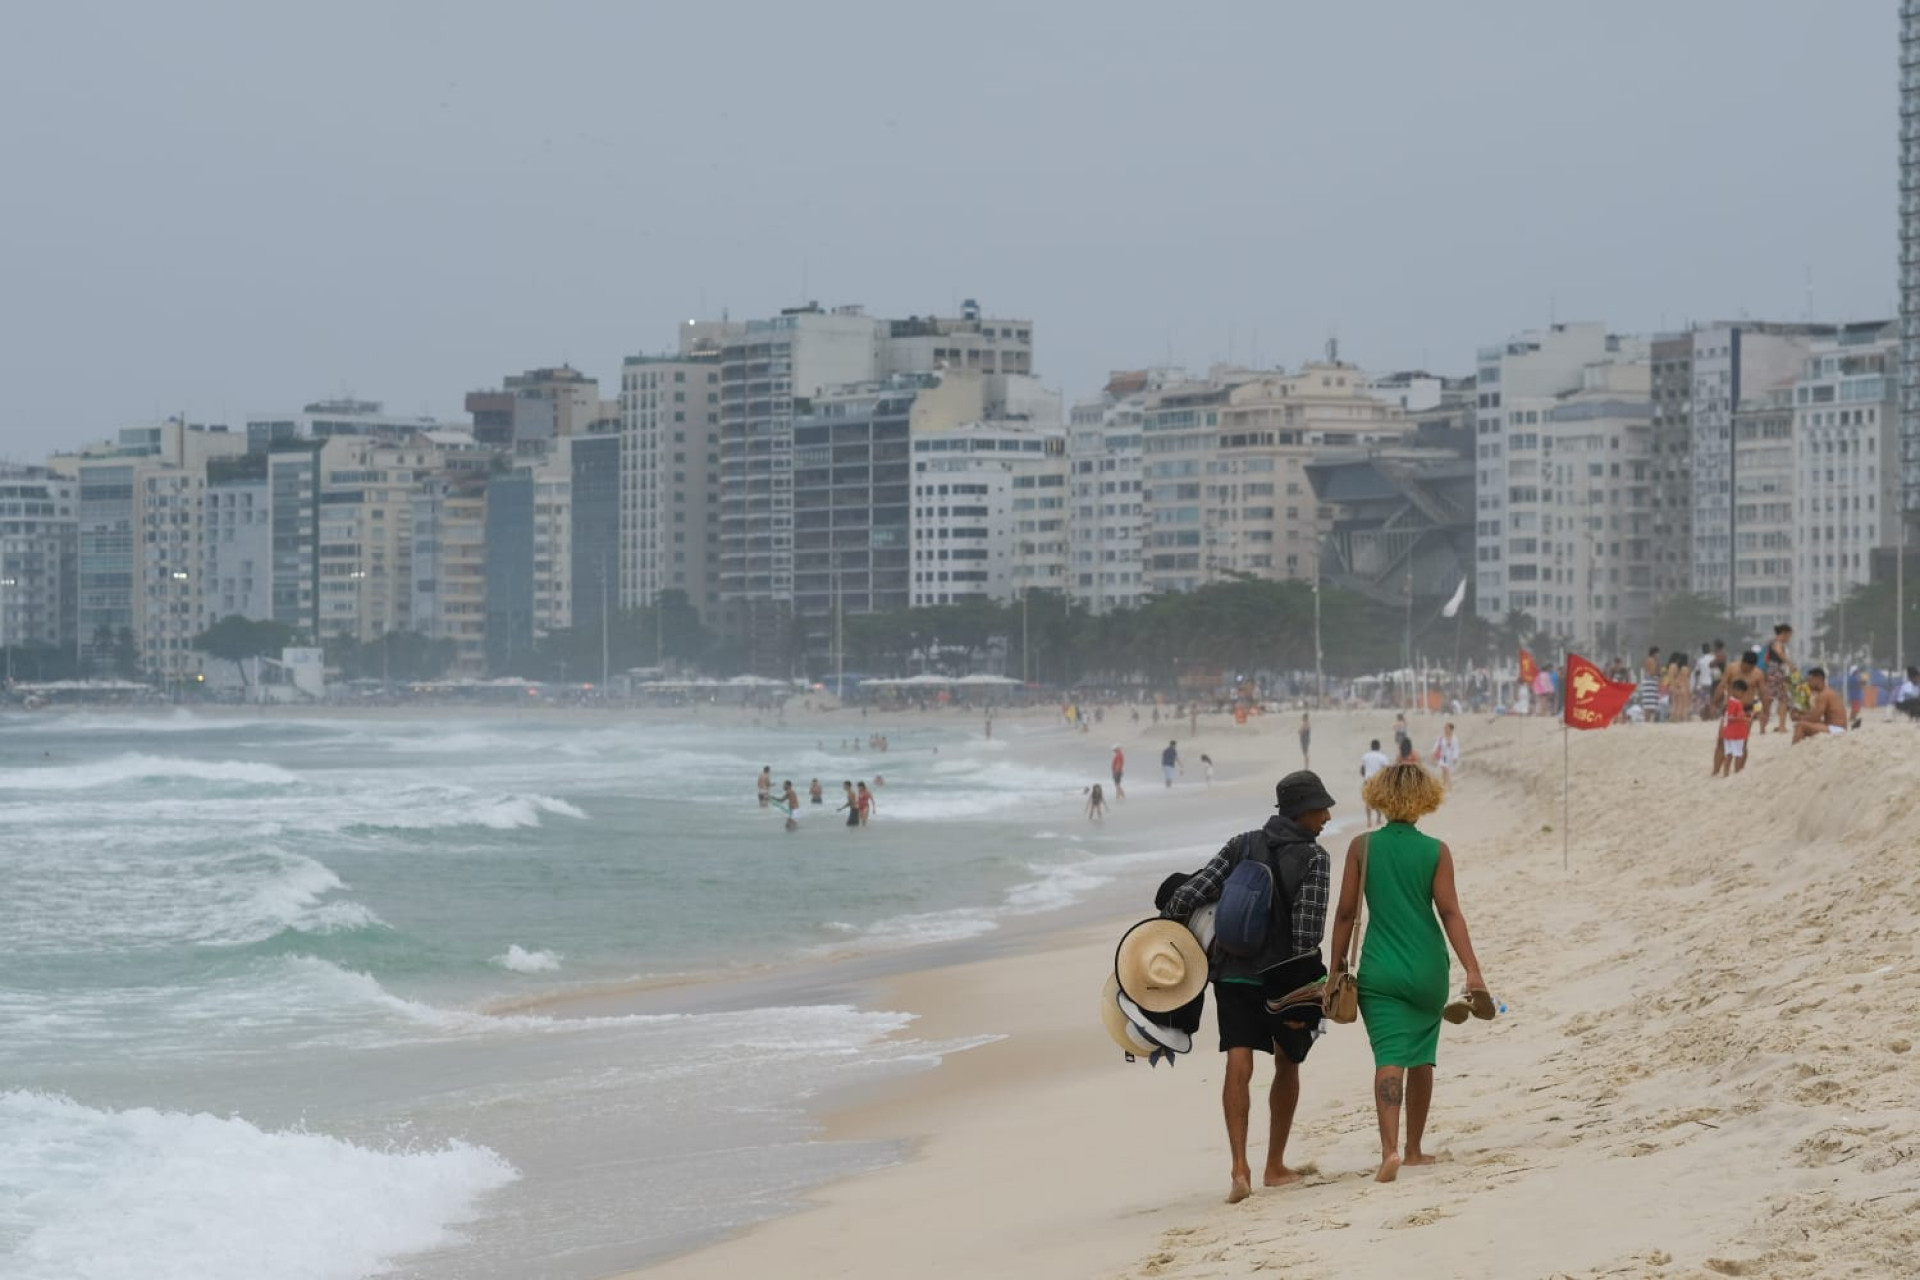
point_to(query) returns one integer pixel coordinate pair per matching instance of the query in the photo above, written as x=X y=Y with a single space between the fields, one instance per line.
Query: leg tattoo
x=1389 y=1091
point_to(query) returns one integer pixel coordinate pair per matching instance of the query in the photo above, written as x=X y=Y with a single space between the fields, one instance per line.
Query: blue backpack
x=1241 y=919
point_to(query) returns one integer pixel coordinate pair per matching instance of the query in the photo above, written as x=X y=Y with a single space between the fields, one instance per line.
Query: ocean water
x=244 y=1013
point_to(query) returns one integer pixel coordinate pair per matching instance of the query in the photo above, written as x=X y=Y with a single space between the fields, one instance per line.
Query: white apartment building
x=448 y=518
x=1847 y=441
x=1766 y=478
x=1730 y=363
x=989 y=512
x=237 y=570
x=670 y=475
x=553 y=539
x=1517 y=385
x=1592 y=561
x=39 y=548
x=1107 y=529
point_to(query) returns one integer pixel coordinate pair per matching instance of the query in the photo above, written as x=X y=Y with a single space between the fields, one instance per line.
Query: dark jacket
x=1301 y=883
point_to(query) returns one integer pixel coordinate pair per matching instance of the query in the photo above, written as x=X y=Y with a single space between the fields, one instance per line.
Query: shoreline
x=1642 y=1109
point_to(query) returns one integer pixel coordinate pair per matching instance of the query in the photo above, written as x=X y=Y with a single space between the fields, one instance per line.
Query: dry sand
x=1705 y=1068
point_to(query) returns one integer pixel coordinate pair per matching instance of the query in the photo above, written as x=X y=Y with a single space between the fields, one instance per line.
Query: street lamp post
x=173 y=654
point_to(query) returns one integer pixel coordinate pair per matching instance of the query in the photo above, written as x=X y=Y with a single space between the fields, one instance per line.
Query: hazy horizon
x=222 y=211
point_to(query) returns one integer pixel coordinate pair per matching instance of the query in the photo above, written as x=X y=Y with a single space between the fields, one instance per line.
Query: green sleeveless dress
x=1403 y=961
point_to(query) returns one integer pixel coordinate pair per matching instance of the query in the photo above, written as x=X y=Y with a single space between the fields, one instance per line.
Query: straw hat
x=1161 y=965
x=1118 y=1025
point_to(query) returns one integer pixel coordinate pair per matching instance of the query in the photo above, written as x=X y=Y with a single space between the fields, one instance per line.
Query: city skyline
x=445 y=210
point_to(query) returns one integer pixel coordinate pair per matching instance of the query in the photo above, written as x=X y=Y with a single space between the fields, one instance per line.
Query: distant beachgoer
x=1269 y=1002
x=1371 y=762
x=1775 y=669
x=789 y=797
x=1446 y=754
x=1206 y=763
x=879 y=781
x=1413 y=912
x=1406 y=750
x=1400 y=734
x=1825 y=715
x=1906 y=699
x=1676 y=686
x=989 y=728
x=852 y=807
x=1703 y=681
x=1170 y=761
x=866 y=802
x=1730 y=747
x=1096 y=804
x=814 y=792
x=764 y=787
x=1119 y=772
x=1306 y=737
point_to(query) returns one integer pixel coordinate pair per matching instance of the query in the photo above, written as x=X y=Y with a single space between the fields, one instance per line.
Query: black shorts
x=1241 y=1008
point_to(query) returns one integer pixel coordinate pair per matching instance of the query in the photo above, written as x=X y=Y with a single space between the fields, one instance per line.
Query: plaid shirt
x=1310 y=902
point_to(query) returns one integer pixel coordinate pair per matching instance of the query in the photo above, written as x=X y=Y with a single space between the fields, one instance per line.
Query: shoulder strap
x=1359 y=908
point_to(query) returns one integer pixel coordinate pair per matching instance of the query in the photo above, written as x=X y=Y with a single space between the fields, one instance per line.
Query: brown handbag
x=1342 y=1001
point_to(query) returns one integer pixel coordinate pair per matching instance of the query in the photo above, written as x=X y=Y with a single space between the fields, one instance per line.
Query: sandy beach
x=1704 y=1067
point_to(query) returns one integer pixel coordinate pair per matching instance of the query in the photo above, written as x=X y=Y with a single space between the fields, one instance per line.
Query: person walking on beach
x=1096 y=804
x=1826 y=714
x=1413 y=912
x=1730 y=748
x=764 y=787
x=1268 y=1002
x=1306 y=737
x=1119 y=771
x=1170 y=761
x=1372 y=761
x=852 y=807
x=1206 y=765
x=1446 y=754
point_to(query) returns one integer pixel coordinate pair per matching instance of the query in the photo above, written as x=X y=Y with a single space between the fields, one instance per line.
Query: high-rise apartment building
x=1729 y=363
x=1847 y=445
x=449 y=566
x=1593 y=567
x=1225 y=488
x=237 y=570
x=1909 y=375
x=1517 y=385
x=595 y=536
x=669 y=473
x=989 y=512
x=1672 y=383
x=39 y=550
x=141 y=543
x=1107 y=526
x=1766 y=474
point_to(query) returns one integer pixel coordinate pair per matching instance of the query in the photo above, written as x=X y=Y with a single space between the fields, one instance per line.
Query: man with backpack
x=1271 y=887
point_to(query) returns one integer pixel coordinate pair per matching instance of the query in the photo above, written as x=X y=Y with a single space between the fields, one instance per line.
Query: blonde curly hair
x=1403 y=792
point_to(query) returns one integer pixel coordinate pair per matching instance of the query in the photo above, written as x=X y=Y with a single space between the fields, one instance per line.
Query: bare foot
x=1283 y=1177
x=1415 y=1157
x=1389 y=1169
x=1242 y=1188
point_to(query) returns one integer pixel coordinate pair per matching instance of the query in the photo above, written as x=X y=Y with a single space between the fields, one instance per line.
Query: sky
x=232 y=208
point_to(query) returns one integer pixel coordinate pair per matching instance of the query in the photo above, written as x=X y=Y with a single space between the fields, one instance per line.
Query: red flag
x=1592 y=700
x=1528 y=669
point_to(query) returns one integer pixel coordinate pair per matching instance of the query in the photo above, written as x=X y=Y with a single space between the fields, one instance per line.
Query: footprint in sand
x=1424 y=1218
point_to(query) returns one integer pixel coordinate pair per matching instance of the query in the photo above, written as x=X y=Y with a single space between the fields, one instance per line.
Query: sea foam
x=134 y=767
x=158 y=1195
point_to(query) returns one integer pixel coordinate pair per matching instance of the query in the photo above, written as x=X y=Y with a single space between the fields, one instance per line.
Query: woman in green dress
x=1412 y=913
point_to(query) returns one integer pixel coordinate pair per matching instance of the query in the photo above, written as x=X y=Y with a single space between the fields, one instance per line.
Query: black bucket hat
x=1301 y=792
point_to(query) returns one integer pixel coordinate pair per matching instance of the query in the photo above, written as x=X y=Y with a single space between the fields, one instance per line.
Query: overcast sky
x=234 y=208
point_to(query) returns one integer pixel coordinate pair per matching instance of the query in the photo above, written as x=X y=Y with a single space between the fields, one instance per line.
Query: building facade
x=1516 y=387
x=989 y=513
x=448 y=521
x=1766 y=480
x=1107 y=536
x=669 y=475
x=39 y=558
x=1909 y=375
x=1847 y=441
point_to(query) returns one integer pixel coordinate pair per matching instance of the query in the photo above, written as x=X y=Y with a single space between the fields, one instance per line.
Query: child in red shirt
x=1730 y=749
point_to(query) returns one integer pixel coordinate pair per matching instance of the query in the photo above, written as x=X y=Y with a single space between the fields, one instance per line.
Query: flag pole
x=1566 y=790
